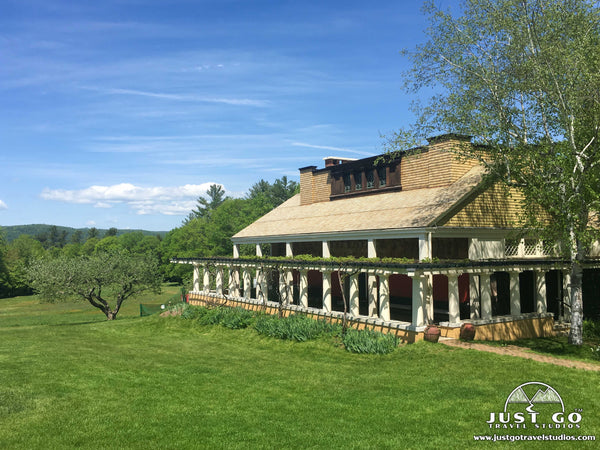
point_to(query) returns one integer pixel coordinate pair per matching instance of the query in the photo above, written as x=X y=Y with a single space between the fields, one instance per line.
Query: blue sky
x=121 y=113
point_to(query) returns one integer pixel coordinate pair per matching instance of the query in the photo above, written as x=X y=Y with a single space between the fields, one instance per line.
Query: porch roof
x=401 y=210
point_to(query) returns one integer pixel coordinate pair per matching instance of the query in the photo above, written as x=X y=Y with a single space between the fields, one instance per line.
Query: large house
x=448 y=241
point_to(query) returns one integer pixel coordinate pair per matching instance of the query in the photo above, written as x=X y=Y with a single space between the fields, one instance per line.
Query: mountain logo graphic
x=544 y=394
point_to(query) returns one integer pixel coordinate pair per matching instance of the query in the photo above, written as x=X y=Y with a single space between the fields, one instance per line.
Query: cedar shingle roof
x=415 y=208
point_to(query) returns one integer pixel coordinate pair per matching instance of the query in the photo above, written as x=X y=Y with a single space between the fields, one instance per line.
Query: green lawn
x=69 y=378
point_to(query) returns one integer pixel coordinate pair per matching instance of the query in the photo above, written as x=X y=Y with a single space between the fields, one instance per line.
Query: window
x=358 y=181
x=347 y=183
x=370 y=179
x=382 y=178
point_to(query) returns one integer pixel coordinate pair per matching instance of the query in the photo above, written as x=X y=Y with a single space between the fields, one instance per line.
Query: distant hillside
x=14 y=231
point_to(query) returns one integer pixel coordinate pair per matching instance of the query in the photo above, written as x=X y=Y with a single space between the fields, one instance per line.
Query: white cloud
x=168 y=200
x=326 y=147
x=182 y=97
x=3 y=205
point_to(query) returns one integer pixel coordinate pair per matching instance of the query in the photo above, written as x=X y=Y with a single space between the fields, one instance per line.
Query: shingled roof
x=416 y=208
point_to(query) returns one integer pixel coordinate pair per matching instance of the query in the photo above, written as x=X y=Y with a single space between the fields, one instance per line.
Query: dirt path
x=522 y=352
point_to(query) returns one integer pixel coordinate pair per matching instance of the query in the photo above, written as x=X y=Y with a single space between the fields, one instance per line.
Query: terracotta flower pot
x=467 y=331
x=432 y=333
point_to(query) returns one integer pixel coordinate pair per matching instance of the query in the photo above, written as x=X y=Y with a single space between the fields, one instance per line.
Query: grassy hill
x=14 y=231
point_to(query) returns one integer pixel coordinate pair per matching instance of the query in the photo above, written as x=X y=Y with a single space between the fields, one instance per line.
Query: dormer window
x=347 y=183
x=358 y=181
x=370 y=179
x=382 y=176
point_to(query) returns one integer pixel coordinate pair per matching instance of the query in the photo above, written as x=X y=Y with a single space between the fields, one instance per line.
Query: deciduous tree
x=105 y=280
x=523 y=77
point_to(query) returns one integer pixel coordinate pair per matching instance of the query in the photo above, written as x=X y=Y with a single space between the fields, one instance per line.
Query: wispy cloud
x=3 y=205
x=326 y=147
x=181 y=97
x=169 y=200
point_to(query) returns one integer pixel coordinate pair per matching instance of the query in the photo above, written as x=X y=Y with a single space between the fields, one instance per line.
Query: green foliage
x=234 y=318
x=295 y=327
x=100 y=279
x=368 y=341
x=591 y=329
x=523 y=77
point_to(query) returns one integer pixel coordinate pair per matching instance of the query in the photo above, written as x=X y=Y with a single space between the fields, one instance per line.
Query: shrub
x=368 y=341
x=193 y=312
x=591 y=329
x=233 y=318
x=295 y=327
x=596 y=352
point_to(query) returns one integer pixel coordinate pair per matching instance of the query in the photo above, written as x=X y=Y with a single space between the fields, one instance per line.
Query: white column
x=418 y=300
x=206 y=280
x=354 y=310
x=234 y=282
x=283 y=291
x=453 y=300
x=540 y=284
x=236 y=250
x=372 y=294
x=289 y=252
x=303 y=297
x=247 y=282
x=428 y=297
x=486 y=296
x=326 y=252
x=196 y=283
x=326 y=291
x=258 y=250
x=219 y=280
x=474 y=296
x=261 y=286
x=567 y=295
x=424 y=246
x=515 y=294
x=384 y=297
x=371 y=249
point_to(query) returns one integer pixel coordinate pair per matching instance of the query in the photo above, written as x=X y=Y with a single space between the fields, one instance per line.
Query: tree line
x=205 y=232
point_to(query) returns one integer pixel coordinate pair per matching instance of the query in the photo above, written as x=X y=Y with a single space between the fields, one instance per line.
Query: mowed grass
x=69 y=378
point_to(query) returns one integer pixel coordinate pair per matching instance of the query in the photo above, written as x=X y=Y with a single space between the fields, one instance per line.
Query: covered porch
x=504 y=299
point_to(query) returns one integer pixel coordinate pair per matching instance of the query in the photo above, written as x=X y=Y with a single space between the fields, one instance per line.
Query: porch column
x=384 y=297
x=486 y=296
x=234 y=282
x=261 y=285
x=354 y=310
x=219 y=280
x=418 y=300
x=425 y=246
x=474 y=295
x=196 y=283
x=453 y=300
x=325 y=250
x=372 y=294
x=326 y=291
x=567 y=295
x=371 y=249
x=236 y=250
x=284 y=288
x=206 y=280
x=515 y=294
x=289 y=252
x=540 y=284
x=303 y=297
x=258 y=250
x=247 y=282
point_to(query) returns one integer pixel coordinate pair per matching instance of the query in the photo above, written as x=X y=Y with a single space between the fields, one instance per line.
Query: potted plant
x=467 y=331
x=432 y=333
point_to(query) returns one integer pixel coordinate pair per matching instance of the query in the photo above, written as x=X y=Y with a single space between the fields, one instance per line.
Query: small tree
x=100 y=279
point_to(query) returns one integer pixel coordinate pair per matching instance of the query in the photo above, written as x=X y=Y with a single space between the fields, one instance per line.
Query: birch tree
x=523 y=78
